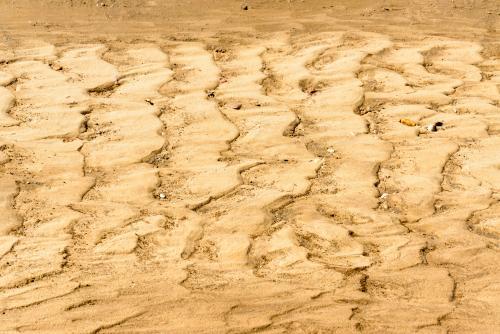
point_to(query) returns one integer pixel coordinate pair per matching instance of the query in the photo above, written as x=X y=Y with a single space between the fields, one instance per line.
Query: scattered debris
x=407 y=122
x=435 y=127
x=331 y=150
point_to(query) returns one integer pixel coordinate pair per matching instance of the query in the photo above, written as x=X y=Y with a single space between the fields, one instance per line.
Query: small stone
x=236 y=106
x=244 y=7
x=331 y=150
x=162 y=196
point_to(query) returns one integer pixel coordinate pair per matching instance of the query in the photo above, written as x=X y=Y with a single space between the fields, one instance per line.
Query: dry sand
x=297 y=167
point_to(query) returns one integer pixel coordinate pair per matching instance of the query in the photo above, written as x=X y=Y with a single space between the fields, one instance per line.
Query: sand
x=296 y=167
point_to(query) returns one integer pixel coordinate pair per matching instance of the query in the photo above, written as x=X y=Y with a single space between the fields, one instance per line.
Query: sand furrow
x=414 y=179
x=226 y=241
x=145 y=73
x=122 y=130
x=332 y=214
x=194 y=157
x=45 y=164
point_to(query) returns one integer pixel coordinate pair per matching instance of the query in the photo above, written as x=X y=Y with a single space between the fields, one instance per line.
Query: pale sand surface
x=192 y=167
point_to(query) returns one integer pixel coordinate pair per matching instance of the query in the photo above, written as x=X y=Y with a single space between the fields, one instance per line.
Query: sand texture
x=273 y=170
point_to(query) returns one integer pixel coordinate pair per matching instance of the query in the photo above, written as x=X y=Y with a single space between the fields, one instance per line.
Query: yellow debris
x=407 y=122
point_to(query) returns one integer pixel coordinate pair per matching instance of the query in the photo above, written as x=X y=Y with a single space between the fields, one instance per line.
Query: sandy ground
x=296 y=167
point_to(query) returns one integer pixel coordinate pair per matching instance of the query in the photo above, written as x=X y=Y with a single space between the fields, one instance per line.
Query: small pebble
x=163 y=196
